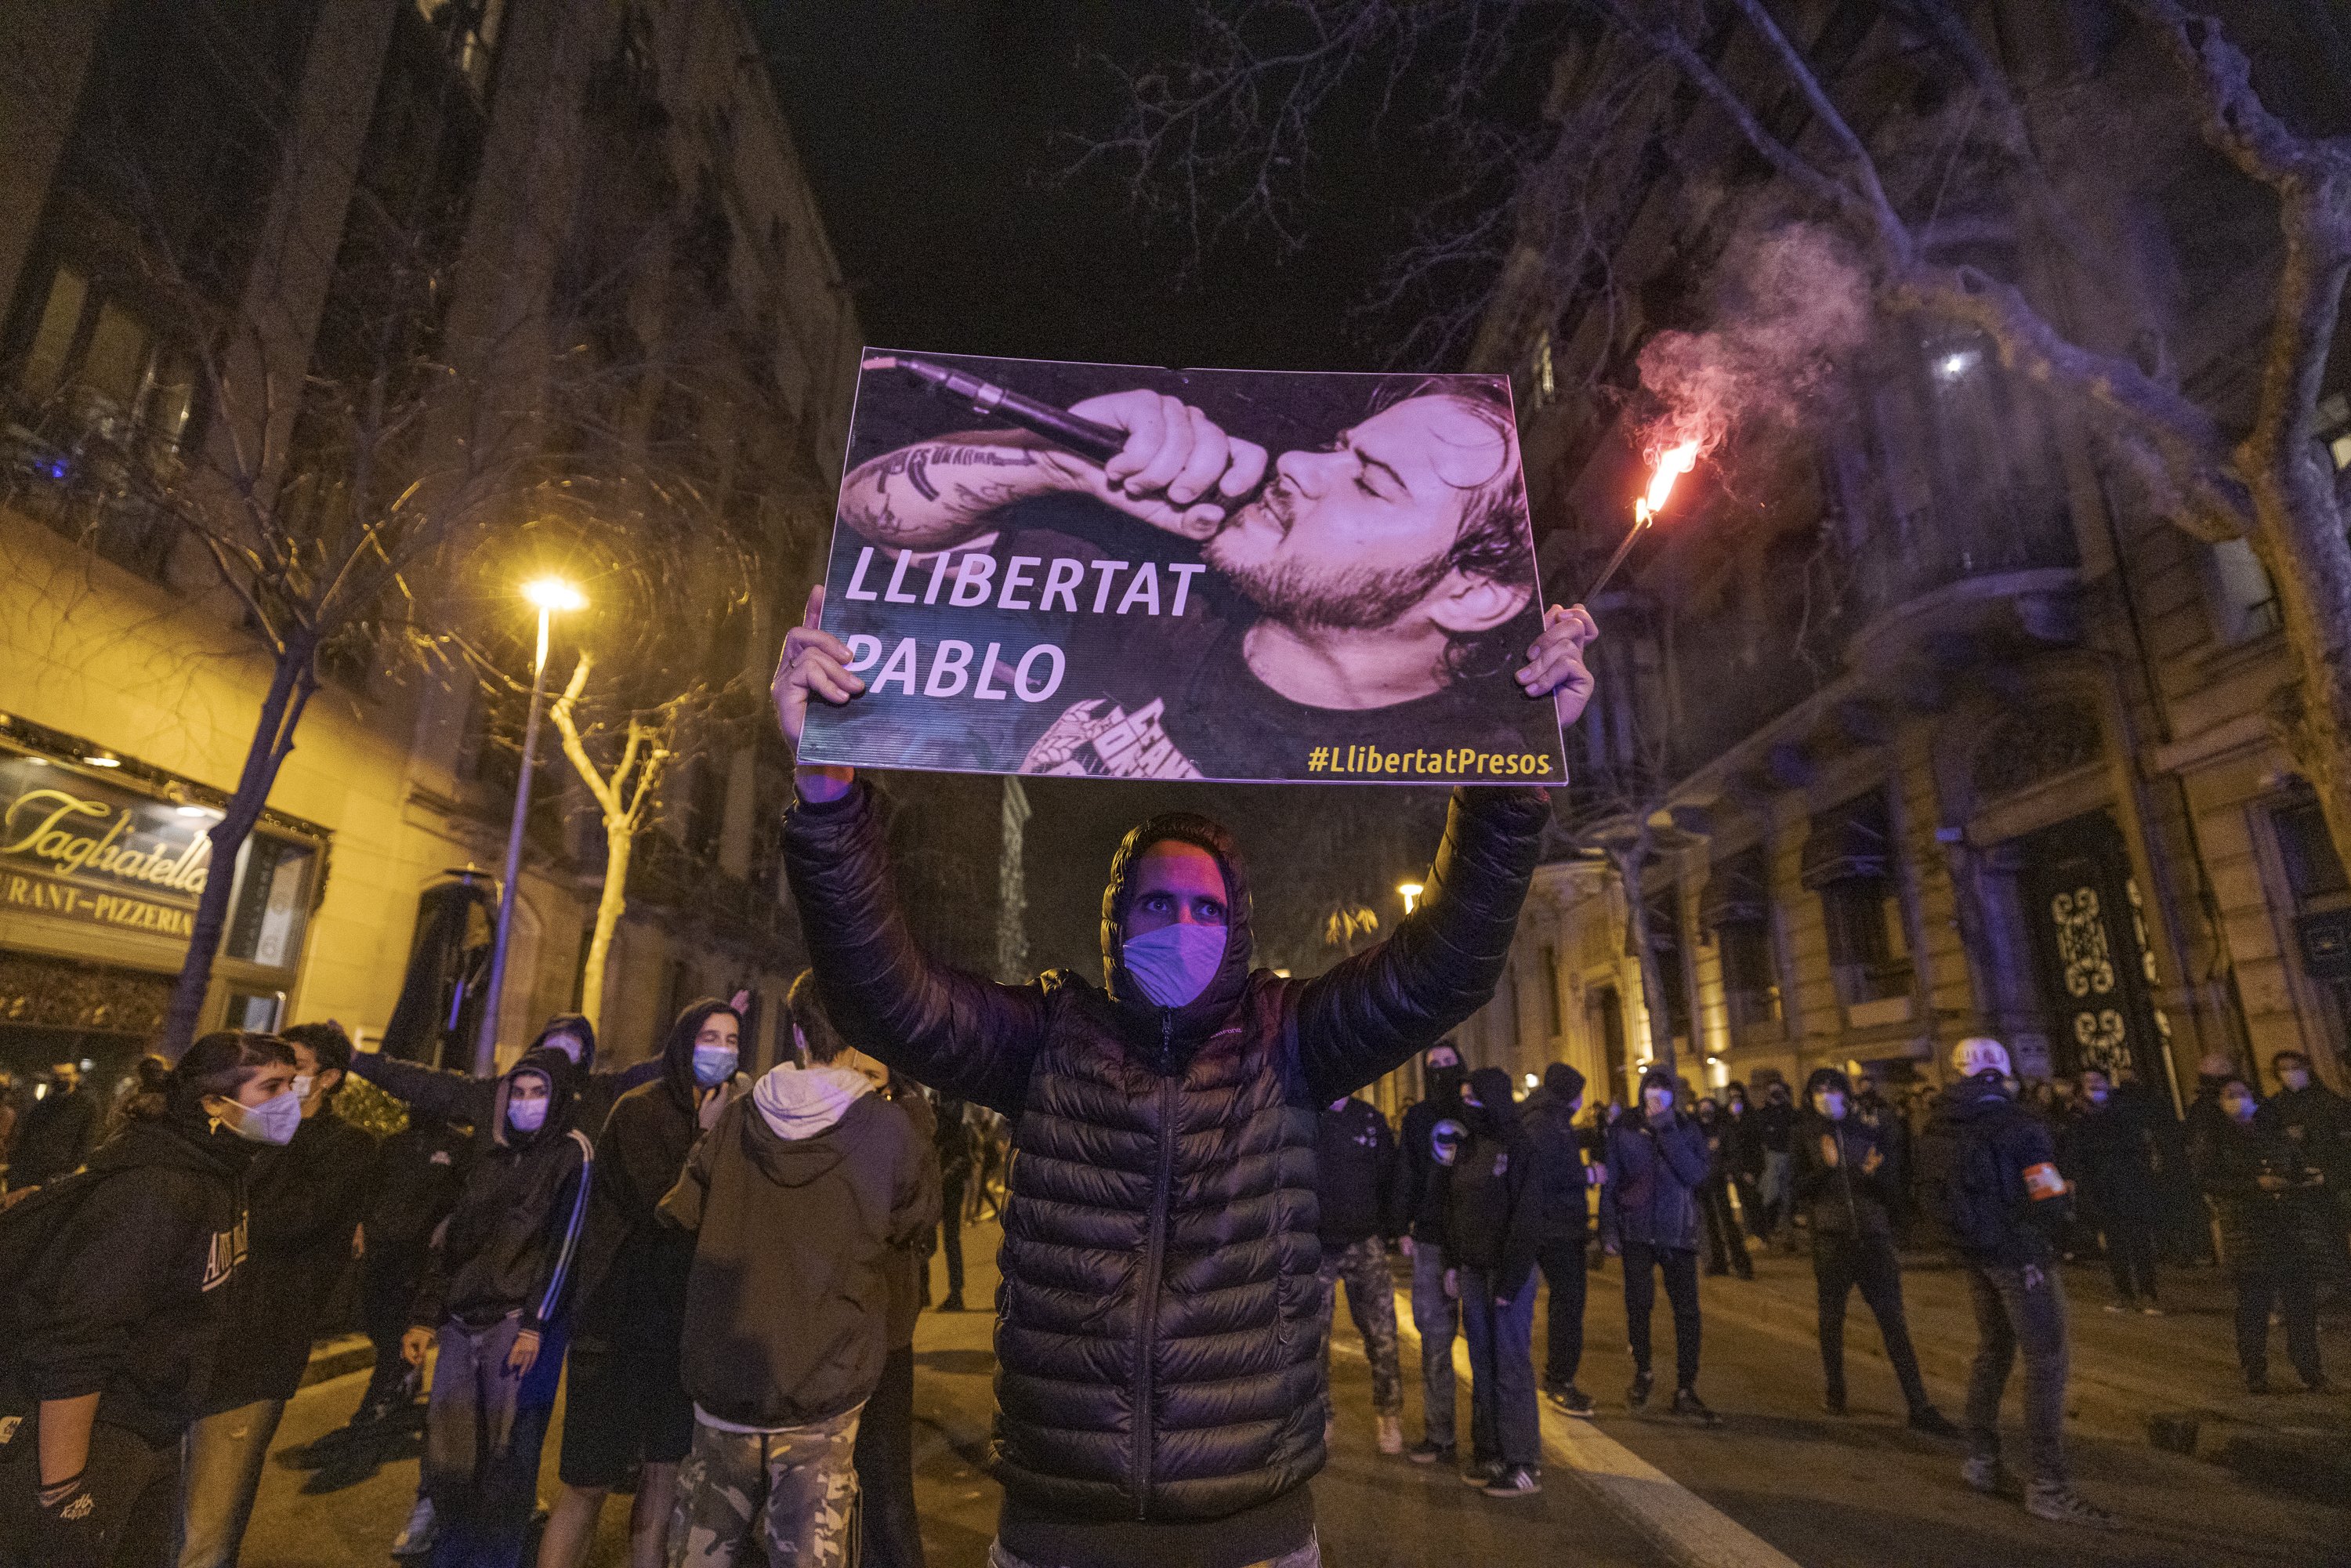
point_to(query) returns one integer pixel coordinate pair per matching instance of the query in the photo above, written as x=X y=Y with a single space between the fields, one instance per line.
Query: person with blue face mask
x=2275 y=1233
x=625 y=1412
x=1845 y=1183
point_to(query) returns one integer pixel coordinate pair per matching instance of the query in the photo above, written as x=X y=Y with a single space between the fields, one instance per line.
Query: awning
x=1736 y=893
x=1851 y=844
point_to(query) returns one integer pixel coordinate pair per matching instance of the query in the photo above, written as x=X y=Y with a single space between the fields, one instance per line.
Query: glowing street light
x=1412 y=892
x=547 y=595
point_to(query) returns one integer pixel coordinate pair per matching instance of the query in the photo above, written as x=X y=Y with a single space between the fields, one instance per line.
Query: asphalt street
x=1781 y=1482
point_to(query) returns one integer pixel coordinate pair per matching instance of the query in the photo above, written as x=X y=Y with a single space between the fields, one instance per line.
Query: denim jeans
x=220 y=1470
x=1779 y=1194
x=2018 y=1306
x=1504 y=1423
x=1566 y=1272
x=483 y=1432
x=1438 y=1316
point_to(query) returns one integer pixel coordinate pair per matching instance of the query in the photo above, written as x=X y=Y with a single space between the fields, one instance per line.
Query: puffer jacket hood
x=677 y=1049
x=562 y=1084
x=1174 y=1033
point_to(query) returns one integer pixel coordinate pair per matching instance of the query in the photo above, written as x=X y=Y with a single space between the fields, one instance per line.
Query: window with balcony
x=1849 y=862
x=1737 y=907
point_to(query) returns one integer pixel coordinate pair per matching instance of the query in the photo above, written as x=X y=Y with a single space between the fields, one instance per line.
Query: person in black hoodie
x=624 y=1410
x=799 y=1201
x=1433 y=1131
x=1988 y=1177
x=414 y=1184
x=1844 y=1182
x=115 y=1302
x=58 y=1131
x=1355 y=1188
x=1548 y=1115
x=1657 y=1159
x=1775 y=1132
x=497 y=1286
x=2111 y=1153
x=1726 y=1249
x=305 y=1210
x=451 y=1096
x=1493 y=1221
x=2318 y=1121
x=2275 y=1232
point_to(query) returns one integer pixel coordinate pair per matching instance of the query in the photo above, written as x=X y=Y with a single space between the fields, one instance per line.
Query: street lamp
x=548 y=595
x=1412 y=892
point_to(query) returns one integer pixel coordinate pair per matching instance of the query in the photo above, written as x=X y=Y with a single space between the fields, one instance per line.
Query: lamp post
x=548 y=594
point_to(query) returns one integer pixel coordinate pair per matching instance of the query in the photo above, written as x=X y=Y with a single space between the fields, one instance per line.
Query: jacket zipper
x=1845 y=1169
x=1153 y=1260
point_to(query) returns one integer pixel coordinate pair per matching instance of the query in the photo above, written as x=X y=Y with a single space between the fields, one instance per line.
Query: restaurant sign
x=76 y=849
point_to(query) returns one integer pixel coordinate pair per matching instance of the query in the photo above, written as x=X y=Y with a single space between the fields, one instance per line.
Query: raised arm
x=966 y=1036
x=442 y=1095
x=1371 y=1013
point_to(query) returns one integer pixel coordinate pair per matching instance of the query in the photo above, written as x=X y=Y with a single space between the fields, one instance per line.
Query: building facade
x=531 y=151
x=1938 y=723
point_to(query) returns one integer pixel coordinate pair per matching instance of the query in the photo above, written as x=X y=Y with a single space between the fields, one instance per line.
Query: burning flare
x=1672 y=465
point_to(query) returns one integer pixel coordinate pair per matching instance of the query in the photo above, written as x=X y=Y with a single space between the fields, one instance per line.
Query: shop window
x=261 y=1011
x=272 y=902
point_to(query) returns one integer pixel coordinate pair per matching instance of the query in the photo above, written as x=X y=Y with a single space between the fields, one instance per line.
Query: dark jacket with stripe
x=1157 y=1354
x=513 y=1239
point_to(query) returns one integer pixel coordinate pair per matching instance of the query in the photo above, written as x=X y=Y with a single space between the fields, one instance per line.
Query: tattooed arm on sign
x=1179 y=472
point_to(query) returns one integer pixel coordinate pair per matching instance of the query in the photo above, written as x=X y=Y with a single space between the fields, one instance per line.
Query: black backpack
x=1962 y=1187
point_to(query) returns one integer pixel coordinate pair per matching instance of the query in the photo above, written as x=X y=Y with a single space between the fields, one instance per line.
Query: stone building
x=1940 y=726
x=291 y=148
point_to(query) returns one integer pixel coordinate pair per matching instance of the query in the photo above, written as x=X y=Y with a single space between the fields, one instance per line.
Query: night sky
x=940 y=139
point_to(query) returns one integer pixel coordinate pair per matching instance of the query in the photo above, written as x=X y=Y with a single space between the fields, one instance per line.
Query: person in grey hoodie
x=798 y=1199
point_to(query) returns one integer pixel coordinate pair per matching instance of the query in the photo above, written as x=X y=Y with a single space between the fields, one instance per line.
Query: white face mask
x=527 y=1116
x=2097 y=1096
x=1174 y=964
x=272 y=1121
x=1831 y=1103
x=714 y=1064
x=1657 y=1101
x=2295 y=1078
x=2238 y=1107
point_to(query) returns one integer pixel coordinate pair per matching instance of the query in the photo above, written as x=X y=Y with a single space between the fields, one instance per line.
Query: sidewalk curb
x=339 y=1357
x=1687 y=1528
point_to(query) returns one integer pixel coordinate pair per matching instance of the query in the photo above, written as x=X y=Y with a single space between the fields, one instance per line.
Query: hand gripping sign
x=1119 y=571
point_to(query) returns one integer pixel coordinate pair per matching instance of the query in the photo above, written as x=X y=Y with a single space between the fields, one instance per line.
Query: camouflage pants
x=1371 y=1301
x=797 y=1486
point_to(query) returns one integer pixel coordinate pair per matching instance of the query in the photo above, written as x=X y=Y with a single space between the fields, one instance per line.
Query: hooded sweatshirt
x=1973 y=1163
x=129 y=1299
x=795 y=1202
x=1842 y=1200
x=632 y=1267
x=1494 y=1202
x=1432 y=1134
x=1354 y=1165
x=513 y=1238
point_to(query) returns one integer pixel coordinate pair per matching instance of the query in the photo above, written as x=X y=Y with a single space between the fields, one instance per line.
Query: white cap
x=1980 y=1053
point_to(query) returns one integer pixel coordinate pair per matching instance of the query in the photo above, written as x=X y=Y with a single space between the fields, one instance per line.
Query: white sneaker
x=415 y=1537
x=1391 y=1434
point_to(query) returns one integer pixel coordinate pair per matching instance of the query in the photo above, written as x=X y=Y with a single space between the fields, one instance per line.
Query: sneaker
x=1427 y=1453
x=1482 y=1473
x=1638 y=1395
x=1515 y=1480
x=1934 y=1423
x=1572 y=1400
x=1689 y=1405
x=1985 y=1473
x=2150 y=1311
x=415 y=1537
x=1390 y=1430
x=2118 y=1308
x=2061 y=1504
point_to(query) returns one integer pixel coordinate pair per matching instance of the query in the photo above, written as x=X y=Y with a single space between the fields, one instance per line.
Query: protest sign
x=1287 y=576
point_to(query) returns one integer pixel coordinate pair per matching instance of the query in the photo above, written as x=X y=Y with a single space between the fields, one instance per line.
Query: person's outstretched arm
x=1370 y=1014
x=957 y=1033
x=435 y=1091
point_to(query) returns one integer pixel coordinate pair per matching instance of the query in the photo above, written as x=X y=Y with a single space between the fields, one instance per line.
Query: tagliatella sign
x=76 y=848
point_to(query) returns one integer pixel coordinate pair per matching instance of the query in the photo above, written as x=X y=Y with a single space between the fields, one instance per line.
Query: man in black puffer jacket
x=1160 y=1383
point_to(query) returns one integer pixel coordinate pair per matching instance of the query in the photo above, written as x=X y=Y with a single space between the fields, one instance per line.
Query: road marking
x=1684 y=1526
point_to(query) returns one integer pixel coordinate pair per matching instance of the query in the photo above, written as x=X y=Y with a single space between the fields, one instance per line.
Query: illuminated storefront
x=102 y=861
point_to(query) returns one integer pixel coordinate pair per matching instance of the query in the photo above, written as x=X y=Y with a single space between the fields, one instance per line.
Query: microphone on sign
x=1095 y=443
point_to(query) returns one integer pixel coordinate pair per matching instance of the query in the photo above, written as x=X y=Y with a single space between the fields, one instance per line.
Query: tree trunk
x=620 y=845
x=290 y=686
